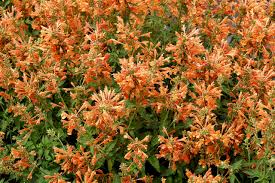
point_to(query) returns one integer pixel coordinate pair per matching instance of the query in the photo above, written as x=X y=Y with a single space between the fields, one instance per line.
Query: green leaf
x=237 y=165
x=168 y=172
x=110 y=146
x=200 y=169
x=28 y=21
x=5 y=3
x=110 y=163
x=154 y=141
x=232 y=178
x=130 y=104
x=272 y=176
x=154 y=162
x=253 y=173
x=116 y=179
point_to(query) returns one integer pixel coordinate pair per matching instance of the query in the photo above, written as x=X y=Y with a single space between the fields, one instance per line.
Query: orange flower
x=134 y=79
x=136 y=150
x=99 y=71
x=27 y=87
x=107 y=109
x=174 y=149
x=56 y=178
x=207 y=95
x=72 y=161
x=207 y=178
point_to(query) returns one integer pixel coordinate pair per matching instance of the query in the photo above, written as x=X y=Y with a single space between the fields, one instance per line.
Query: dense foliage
x=137 y=91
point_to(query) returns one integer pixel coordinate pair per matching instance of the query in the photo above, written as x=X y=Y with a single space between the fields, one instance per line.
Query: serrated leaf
x=110 y=146
x=237 y=165
x=154 y=162
x=252 y=173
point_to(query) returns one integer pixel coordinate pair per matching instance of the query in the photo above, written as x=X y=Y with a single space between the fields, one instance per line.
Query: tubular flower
x=108 y=108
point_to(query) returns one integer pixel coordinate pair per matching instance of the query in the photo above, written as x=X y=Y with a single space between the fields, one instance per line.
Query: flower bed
x=137 y=91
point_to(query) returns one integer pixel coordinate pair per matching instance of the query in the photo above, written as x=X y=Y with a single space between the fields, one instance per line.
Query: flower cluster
x=137 y=90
